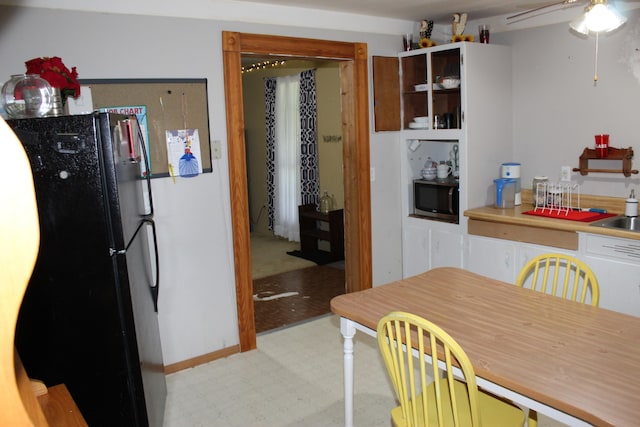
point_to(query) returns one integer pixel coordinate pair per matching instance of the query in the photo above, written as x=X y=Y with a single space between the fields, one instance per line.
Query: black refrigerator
x=89 y=316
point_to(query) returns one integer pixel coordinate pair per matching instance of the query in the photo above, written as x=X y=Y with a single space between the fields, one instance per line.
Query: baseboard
x=205 y=358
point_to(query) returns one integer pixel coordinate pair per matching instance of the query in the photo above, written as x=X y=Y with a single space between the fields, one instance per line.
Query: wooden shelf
x=625 y=155
x=310 y=231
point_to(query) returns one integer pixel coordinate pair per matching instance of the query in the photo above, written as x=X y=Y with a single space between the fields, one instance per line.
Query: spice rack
x=622 y=154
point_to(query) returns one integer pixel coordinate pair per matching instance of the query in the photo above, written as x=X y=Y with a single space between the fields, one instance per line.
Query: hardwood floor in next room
x=286 y=289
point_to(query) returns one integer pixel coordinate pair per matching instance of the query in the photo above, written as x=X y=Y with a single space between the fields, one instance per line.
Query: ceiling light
x=598 y=17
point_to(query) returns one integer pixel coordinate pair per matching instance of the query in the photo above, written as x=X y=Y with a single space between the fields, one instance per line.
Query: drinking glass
x=407 y=40
x=602 y=145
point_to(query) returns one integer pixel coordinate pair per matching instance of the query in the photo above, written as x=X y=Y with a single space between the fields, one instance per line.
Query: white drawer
x=612 y=247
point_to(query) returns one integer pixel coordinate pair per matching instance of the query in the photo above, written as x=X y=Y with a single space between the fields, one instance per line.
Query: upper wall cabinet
x=420 y=89
x=425 y=88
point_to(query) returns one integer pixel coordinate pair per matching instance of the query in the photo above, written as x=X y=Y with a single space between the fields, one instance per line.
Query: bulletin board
x=171 y=105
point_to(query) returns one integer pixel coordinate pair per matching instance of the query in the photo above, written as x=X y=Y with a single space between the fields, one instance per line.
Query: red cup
x=602 y=146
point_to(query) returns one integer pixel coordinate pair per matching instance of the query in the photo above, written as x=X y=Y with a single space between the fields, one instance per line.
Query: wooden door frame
x=355 y=136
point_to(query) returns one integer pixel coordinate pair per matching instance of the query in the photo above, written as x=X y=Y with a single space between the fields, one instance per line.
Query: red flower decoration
x=57 y=74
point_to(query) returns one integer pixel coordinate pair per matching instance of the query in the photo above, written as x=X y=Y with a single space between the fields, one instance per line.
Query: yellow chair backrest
x=560 y=275
x=399 y=331
x=19 y=242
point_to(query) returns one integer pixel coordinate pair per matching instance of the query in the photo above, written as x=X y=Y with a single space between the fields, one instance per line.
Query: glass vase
x=26 y=95
x=326 y=203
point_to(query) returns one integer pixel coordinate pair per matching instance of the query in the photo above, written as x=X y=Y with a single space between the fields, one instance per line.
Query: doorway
x=293 y=281
x=355 y=131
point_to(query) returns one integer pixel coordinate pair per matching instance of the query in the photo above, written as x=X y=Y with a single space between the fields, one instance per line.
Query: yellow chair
x=560 y=275
x=447 y=401
x=563 y=276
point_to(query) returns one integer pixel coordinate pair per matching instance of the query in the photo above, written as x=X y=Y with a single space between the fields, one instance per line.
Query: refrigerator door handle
x=147 y=176
x=155 y=289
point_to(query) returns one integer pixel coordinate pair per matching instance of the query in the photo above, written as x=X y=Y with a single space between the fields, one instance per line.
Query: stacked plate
x=419 y=123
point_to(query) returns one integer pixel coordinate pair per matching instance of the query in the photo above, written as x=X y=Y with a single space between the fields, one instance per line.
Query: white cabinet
x=430 y=244
x=482 y=114
x=446 y=248
x=502 y=259
x=616 y=264
x=482 y=101
x=526 y=251
x=416 y=248
x=493 y=258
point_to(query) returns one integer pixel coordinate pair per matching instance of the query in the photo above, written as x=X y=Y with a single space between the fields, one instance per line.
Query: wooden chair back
x=409 y=375
x=560 y=275
x=19 y=242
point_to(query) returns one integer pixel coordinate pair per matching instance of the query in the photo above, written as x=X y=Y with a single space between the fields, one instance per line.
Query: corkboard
x=171 y=104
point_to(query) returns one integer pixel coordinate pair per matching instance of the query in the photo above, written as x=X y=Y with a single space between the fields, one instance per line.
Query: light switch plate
x=565 y=173
x=216 y=149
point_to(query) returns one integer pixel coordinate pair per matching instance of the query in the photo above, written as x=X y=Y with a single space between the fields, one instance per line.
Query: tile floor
x=294 y=378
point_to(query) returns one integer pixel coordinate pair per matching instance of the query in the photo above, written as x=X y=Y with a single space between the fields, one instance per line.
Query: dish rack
x=559 y=197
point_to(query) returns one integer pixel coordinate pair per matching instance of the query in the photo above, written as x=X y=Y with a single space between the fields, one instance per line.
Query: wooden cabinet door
x=386 y=93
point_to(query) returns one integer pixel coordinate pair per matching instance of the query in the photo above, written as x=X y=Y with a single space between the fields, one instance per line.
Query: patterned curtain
x=310 y=186
x=270 y=119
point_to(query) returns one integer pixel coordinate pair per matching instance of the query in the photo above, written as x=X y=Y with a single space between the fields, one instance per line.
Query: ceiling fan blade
x=563 y=2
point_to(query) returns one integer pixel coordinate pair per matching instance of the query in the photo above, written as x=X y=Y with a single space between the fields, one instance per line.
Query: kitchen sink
x=620 y=222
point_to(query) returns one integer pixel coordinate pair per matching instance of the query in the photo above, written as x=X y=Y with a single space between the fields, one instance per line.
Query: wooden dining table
x=570 y=361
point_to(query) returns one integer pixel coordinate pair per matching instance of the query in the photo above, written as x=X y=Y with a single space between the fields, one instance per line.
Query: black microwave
x=437 y=199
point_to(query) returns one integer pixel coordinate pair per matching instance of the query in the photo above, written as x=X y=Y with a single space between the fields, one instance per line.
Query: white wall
x=557 y=110
x=197 y=299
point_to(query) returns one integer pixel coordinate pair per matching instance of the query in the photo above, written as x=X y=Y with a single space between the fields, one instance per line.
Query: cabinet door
x=446 y=100
x=528 y=251
x=399 y=94
x=415 y=93
x=446 y=249
x=386 y=93
x=493 y=258
x=415 y=250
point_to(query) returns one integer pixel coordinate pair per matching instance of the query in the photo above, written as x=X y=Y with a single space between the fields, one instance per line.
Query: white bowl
x=429 y=173
x=449 y=83
x=423 y=119
x=421 y=87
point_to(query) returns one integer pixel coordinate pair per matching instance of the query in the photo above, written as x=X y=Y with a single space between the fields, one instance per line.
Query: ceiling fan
x=545 y=6
x=599 y=15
